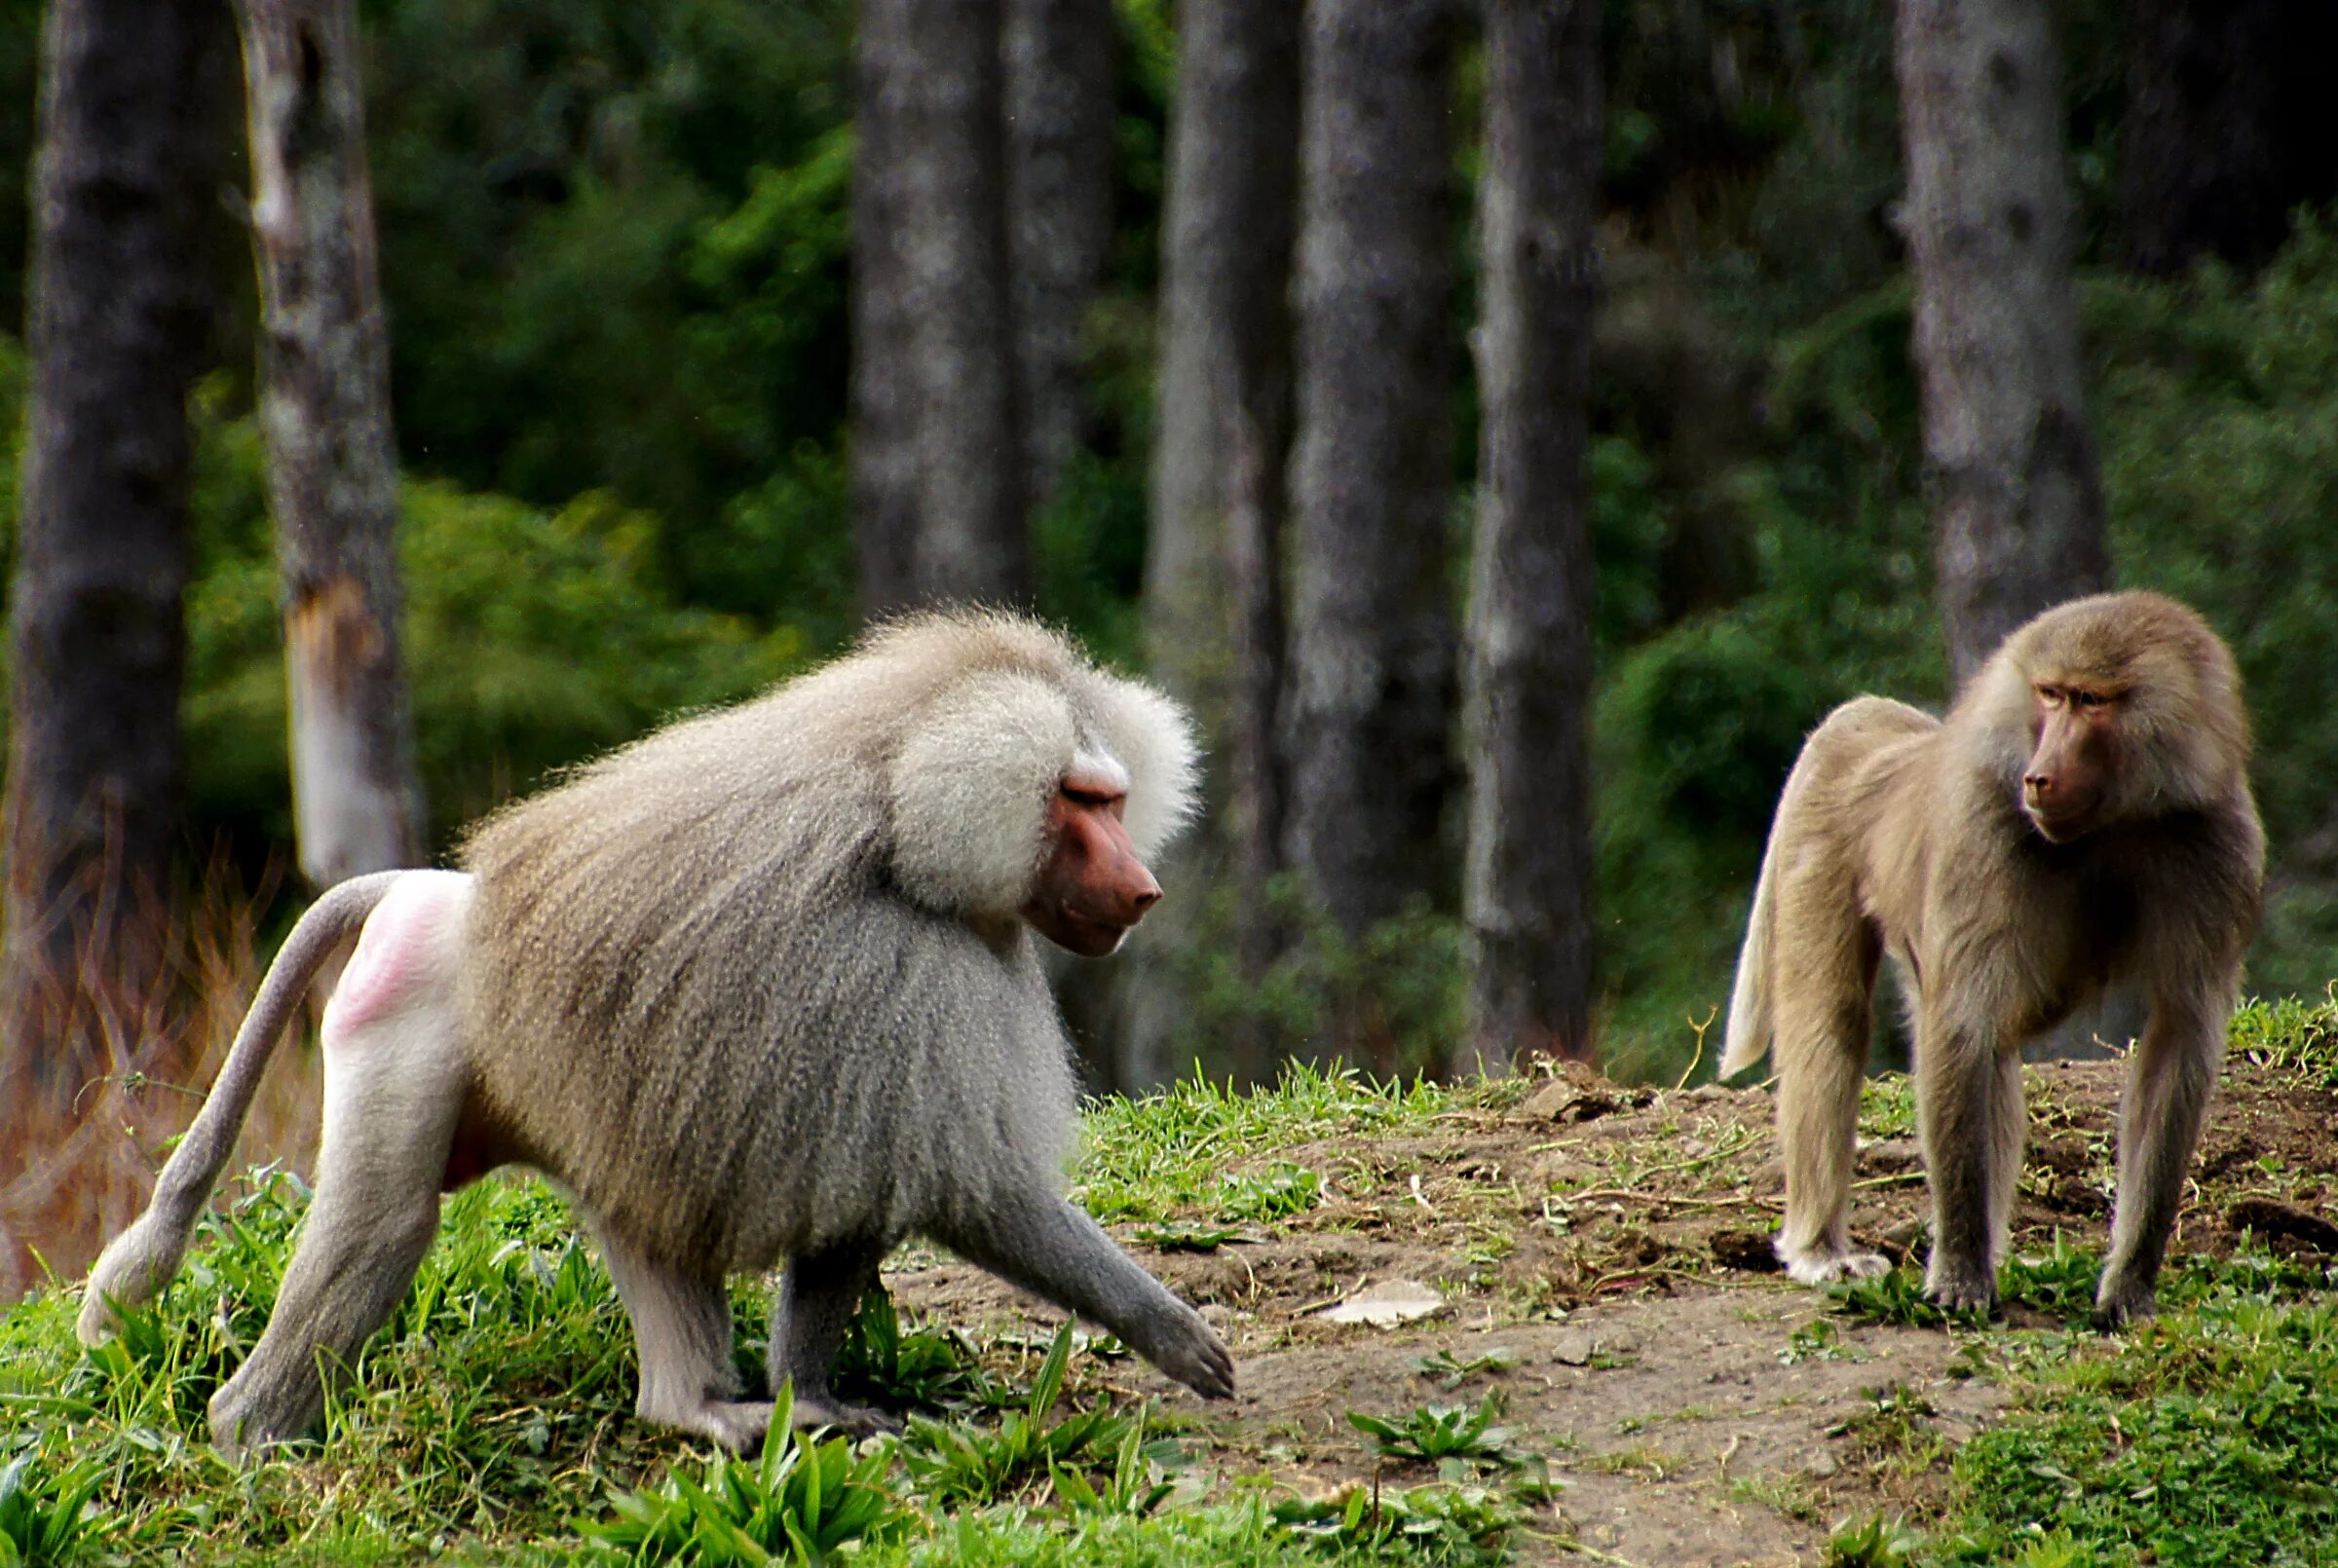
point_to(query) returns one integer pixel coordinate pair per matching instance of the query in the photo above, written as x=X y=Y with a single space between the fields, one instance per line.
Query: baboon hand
x=1187 y=1349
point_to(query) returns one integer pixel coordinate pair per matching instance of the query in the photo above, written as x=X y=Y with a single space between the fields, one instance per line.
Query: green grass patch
x=490 y=1421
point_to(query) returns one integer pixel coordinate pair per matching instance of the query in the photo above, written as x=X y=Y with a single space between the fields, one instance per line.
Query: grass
x=490 y=1421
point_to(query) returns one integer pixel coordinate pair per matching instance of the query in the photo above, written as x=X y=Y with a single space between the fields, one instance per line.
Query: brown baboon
x=2081 y=819
x=756 y=987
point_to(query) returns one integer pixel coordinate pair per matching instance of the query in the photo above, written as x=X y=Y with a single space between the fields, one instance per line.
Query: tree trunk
x=332 y=466
x=937 y=453
x=1370 y=697
x=1528 y=876
x=1060 y=109
x=131 y=130
x=2225 y=130
x=1214 y=559
x=2008 y=453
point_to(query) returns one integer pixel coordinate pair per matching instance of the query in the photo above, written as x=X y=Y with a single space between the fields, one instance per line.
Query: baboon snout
x=1092 y=885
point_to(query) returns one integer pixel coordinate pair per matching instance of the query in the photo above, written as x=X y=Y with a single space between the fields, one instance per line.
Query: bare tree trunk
x=130 y=132
x=1060 y=84
x=1213 y=565
x=332 y=464
x=1370 y=697
x=937 y=451
x=2008 y=449
x=2226 y=130
x=1526 y=885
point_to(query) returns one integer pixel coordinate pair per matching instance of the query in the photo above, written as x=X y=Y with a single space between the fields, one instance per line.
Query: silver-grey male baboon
x=758 y=986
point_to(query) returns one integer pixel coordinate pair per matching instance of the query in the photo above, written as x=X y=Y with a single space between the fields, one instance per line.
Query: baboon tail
x=1748 y=1036
x=144 y=1258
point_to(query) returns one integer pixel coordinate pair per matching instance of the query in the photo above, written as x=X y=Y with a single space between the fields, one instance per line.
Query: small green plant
x=1879 y=1543
x=924 y=1368
x=1818 y=1340
x=1451 y=1371
x=1281 y=1190
x=41 y=1525
x=1439 y=1522
x=953 y=1462
x=1137 y=1484
x=1896 y=1296
x=1187 y=1235
x=1442 y=1433
x=799 y=1502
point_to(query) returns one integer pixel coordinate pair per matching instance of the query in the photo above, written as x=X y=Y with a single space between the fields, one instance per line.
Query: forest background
x=615 y=249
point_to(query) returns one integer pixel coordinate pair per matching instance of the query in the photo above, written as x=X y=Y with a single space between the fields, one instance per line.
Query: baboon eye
x=2082 y=698
x=2051 y=695
x=1088 y=795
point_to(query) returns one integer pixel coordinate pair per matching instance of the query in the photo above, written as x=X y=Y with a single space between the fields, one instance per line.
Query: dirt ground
x=1615 y=1243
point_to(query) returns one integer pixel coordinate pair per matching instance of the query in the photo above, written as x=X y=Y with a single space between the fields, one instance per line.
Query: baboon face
x=1091 y=886
x=2074 y=732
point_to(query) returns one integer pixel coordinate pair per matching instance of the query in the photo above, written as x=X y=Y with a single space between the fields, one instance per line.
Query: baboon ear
x=1152 y=736
x=970 y=788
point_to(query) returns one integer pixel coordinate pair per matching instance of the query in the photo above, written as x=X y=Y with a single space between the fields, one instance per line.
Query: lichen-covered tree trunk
x=937 y=450
x=332 y=466
x=2008 y=448
x=132 y=129
x=1059 y=87
x=1527 y=883
x=1369 y=700
x=1214 y=556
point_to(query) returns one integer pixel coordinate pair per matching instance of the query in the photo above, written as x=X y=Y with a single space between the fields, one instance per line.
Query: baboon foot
x=245 y=1416
x=1960 y=1286
x=2120 y=1302
x=856 y=1421
x=738 y=1425
x=1826 y=1264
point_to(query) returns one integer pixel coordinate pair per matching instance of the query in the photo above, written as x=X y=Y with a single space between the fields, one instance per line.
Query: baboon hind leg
x=816 y=1302
x=682 y=1336
x=1824 y=1018
x=393 y=1091
x=2169 y=1078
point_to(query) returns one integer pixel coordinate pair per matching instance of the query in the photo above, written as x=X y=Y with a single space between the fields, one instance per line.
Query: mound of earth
x=1608 y=1249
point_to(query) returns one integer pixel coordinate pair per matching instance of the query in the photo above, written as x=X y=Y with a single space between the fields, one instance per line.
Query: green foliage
x=802 y=1502
x=2209 y=1439
x=44 y=1520
x=957 y=1462
x=931 y=1369
x=1451 y=1371
x=1280 y=1190
x=1148 y=1158
x=1441 y=1524
x=533 y=638
x=1875 y=1542
x=1439 y=1432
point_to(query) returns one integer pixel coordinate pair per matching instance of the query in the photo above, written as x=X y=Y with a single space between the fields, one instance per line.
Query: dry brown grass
x=76 y=1164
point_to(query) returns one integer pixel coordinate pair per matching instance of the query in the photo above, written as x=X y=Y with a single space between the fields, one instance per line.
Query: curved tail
x=1748 y=1036
x=134 y=1269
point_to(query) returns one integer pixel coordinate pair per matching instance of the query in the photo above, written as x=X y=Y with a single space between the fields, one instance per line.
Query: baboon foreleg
x=2169 y=1078
x=1036 y=1240
x=393 y=1091
x=816 y=1302
x=682 y=1336
x=1960 y=1098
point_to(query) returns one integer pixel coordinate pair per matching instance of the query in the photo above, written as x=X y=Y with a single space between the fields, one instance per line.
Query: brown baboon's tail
x=142 y=1259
